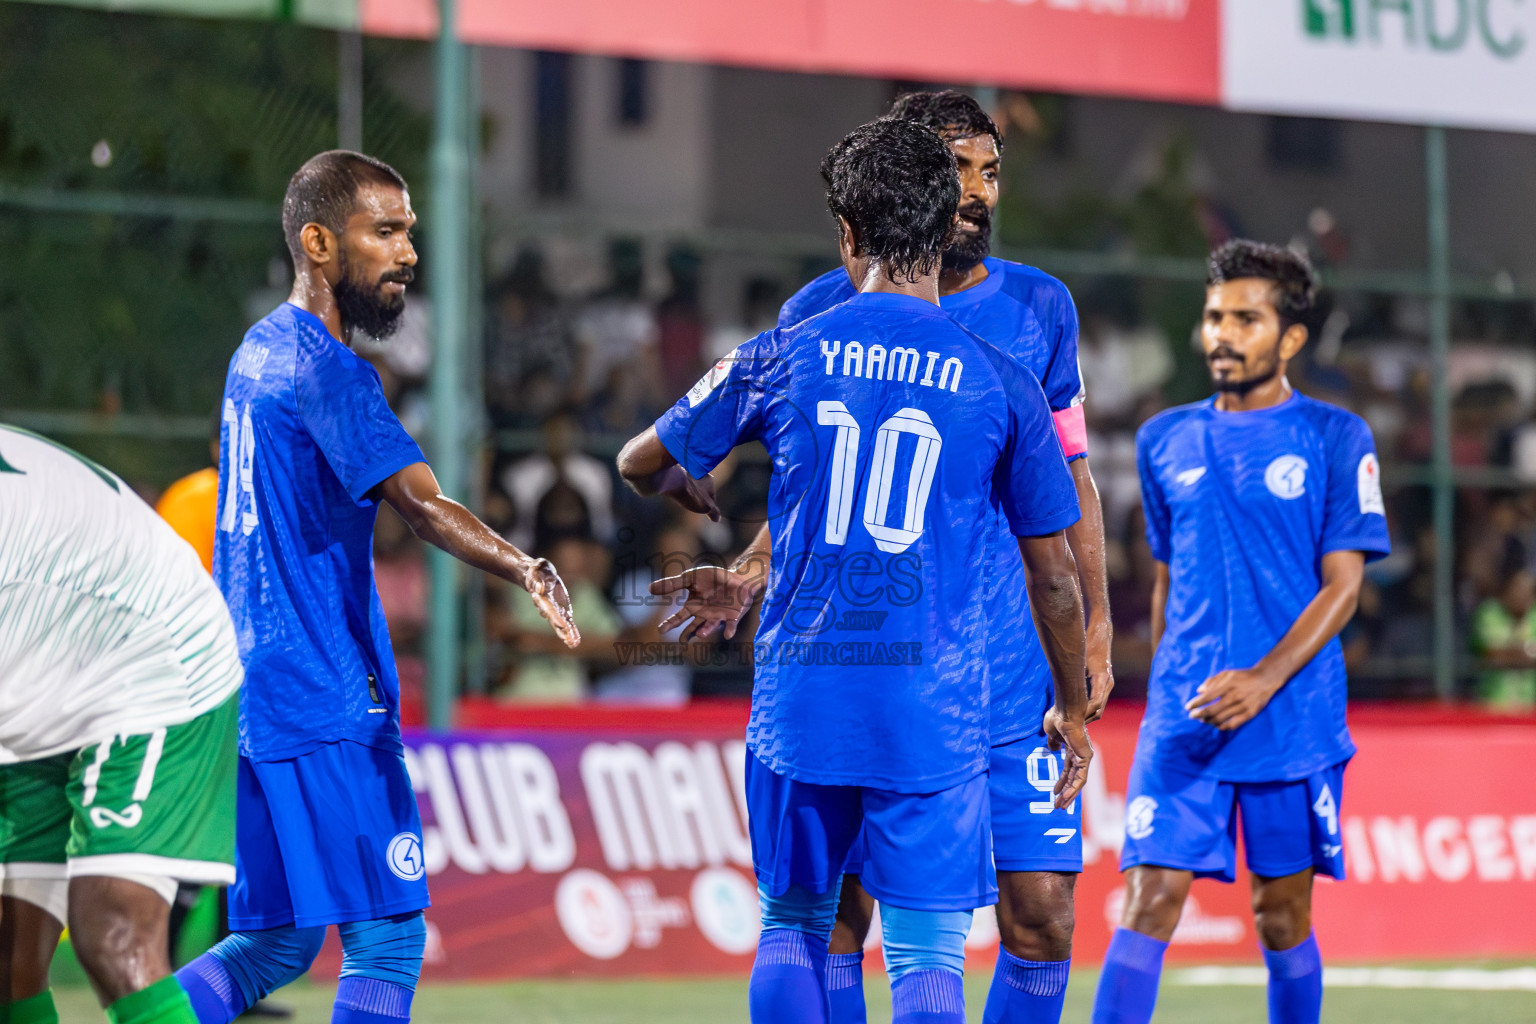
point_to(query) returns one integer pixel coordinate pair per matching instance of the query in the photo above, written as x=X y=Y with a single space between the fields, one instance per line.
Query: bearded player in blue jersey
x=327 y=831
x=897 y=438
x=1262 y=508
x=1038 y=848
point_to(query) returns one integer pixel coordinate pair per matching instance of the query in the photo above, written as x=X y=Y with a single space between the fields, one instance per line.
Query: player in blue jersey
x=1029 y=315
x=1262 y=508
x=327 y=829
x=896 y=438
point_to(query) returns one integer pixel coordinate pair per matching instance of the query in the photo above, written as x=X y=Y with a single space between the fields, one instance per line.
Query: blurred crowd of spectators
x=570 y=373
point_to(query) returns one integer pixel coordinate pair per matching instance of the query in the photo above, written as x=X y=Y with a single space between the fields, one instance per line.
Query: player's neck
x=1266 y=396
x=923 y=286
x=312 y=295
x=952 y=281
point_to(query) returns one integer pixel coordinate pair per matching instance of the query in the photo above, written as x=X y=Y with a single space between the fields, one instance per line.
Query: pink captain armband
x=1072 y=428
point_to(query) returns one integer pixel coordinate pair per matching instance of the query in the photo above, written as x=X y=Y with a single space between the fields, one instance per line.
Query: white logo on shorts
x=1286 y=477
x=1138 y=817
x=404 y=857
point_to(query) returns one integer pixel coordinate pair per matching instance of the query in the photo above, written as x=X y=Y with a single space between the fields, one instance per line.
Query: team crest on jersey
x=1138 y=817
x=711 y=380
x=1368 y=479
x=1286 y=477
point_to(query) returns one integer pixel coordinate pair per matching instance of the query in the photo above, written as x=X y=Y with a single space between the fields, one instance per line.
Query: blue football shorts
x=1176 y=820
x=328 y=837
x=1029 y=833
x=928 y=851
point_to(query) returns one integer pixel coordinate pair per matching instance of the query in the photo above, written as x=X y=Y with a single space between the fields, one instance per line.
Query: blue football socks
x=845 y=988
x=371 y=1001
x=935 y=996
x=789 y=979
x=1026 y=991
x=1295 y=983
x=1133 y=966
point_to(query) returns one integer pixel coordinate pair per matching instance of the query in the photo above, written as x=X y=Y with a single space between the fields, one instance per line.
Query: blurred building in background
x=638 y=219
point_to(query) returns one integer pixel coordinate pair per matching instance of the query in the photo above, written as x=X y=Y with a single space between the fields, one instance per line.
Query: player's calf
x=1035 y=920
x=845 y=956
x=29 y=934
x=1133 y=964
x=118 y=928
x=1282 y=915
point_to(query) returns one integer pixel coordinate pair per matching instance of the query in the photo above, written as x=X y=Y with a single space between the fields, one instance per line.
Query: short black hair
x=1288 y=270
x=896 y=183
x=324 y=191
x=950 y=112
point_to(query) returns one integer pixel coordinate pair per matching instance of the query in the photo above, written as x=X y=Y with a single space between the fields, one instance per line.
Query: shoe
x=266 y=1008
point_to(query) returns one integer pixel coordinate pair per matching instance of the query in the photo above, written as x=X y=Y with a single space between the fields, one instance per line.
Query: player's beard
x=368 y=307
x=1265 y=368
x=966 y=249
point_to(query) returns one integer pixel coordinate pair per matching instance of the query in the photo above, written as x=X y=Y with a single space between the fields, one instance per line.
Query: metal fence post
x=1443 y=488
x=449 y=267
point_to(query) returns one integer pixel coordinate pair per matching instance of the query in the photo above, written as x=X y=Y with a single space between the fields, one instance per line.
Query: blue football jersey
x=1242 y=507
x=307 y=434
x=894 y=433
x=1029 y=315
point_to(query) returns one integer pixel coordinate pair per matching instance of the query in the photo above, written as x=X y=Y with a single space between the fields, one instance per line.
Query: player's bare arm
x=444 y=523
x=1086 y=538
x=649 y=469
x=1230 y=699
x=718 y=597
x=1056 y=602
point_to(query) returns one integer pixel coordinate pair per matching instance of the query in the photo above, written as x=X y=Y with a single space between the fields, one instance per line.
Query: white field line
x=1463 y=979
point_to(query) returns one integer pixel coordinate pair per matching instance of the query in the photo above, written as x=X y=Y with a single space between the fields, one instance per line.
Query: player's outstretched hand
x=549 y=595
x=693 y=495
x=1070 y=735
x=1230 y=699
x=717 y=599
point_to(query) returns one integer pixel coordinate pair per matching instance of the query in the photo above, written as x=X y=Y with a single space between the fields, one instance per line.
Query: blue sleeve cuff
x=1046 y=524
x=671 y=437
x=383 y=470
x=1373 y=548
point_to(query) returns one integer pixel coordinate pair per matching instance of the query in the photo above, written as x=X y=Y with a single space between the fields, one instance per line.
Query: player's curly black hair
x=324 y=192
x=950 y=112
x=896 y=183
x=1291 y=273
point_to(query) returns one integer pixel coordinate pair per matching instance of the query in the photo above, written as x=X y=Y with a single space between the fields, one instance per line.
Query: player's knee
x=798 y=909
x=1281 y=923
x=1043 y=934
x=921 y=940
x=389 y=949
x=117 y=931
x=1153 y=908
x=262 y=962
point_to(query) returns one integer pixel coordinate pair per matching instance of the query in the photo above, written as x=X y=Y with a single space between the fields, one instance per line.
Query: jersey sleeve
x=1034 y=486
x=1063 y=379
x=1154 y=506
x=342 y=406
x=724 y=409
x=1355 y=516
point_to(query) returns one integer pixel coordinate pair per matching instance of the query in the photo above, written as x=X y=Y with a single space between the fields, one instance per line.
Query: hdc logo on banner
x=1462 y=62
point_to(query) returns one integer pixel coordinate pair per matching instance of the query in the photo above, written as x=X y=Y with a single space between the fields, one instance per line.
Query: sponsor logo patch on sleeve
x=712 y=380
x=1368 y=478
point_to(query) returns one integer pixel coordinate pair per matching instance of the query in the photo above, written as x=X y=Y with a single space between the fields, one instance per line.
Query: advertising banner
x=1156 y=49
x=614 y=842
x=1453 y=62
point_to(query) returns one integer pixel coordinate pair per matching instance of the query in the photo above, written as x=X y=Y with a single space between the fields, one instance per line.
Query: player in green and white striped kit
x=118 y=677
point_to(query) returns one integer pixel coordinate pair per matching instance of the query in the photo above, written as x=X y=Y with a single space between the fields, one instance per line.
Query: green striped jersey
x=108 y=623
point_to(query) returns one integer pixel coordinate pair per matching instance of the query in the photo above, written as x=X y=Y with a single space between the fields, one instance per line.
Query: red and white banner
x=1156 y=49
x=613 y=842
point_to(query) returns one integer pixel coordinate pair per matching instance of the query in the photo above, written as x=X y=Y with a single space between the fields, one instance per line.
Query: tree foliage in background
x=105 y=311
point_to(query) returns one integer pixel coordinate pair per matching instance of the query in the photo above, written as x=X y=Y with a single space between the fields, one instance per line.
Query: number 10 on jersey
x=882 y=475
